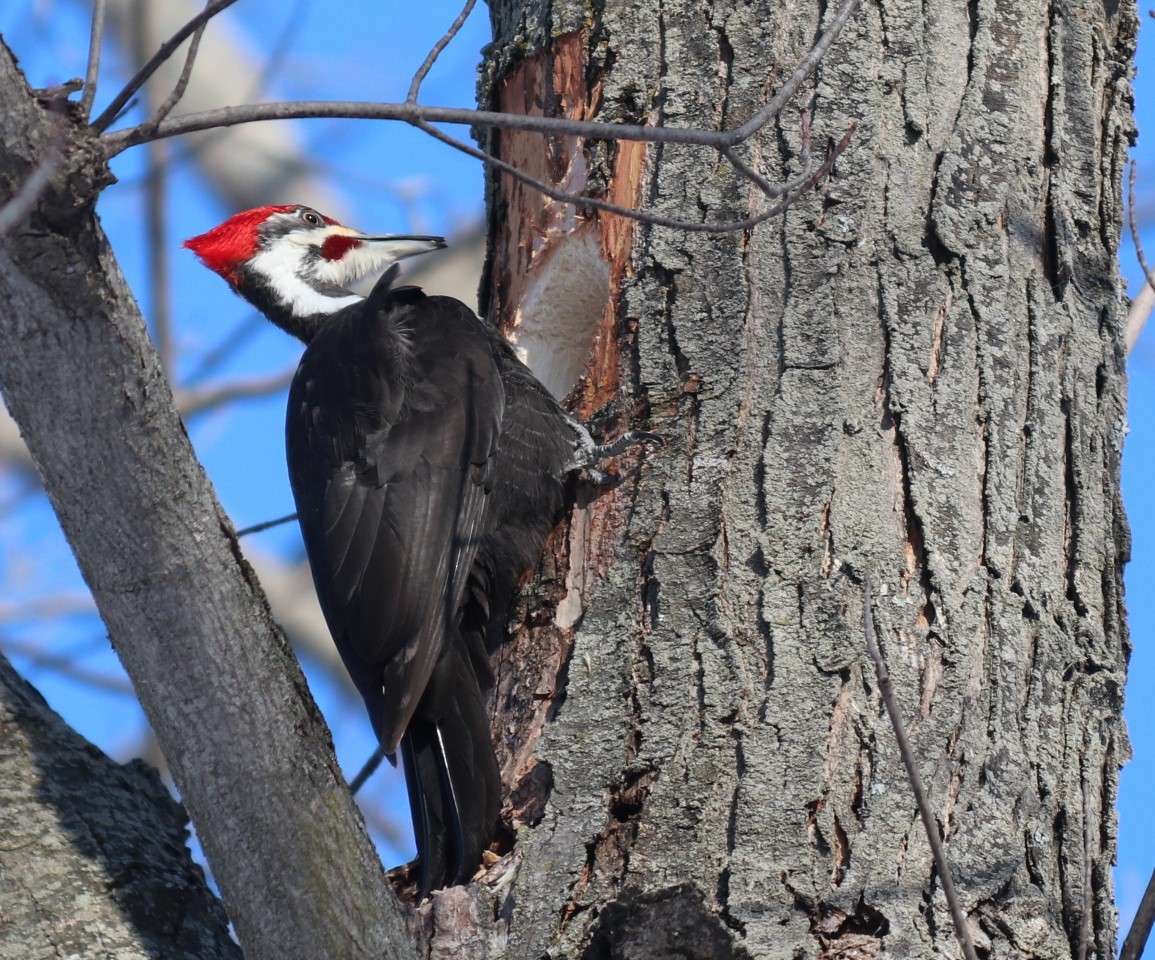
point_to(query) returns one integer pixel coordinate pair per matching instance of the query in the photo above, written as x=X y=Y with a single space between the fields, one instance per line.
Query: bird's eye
x=312 y=219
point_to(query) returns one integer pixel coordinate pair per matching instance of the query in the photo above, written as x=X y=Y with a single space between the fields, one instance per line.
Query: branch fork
x=725 y=142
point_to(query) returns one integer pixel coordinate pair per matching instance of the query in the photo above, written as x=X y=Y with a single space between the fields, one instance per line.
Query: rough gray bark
x=916 y=375
x=92 y=872
x=245 y=743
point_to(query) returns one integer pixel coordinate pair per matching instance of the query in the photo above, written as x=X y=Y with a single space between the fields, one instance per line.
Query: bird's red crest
x=225 y=247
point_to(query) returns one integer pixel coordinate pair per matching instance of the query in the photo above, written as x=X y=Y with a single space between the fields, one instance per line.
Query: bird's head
x=294 y=264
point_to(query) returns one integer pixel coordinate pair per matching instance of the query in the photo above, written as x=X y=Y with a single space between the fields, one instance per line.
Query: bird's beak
x=391 y=246
x=402 y=245
x=349 y=255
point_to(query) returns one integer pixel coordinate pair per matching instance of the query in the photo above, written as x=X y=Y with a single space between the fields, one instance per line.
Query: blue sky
x=370 y=164
x=1136 y=839
x=395 y=179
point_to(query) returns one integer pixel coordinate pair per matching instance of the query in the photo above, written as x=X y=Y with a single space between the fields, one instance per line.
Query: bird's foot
x=590 y=455
x=631 y=438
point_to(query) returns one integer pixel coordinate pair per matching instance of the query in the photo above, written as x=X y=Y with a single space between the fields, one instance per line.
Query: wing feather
x=394 y=419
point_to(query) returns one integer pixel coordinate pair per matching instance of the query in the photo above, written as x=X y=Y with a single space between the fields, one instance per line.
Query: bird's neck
x=297 y=308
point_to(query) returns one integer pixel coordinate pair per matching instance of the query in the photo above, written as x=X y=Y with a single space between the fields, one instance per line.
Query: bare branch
x=789 y=191
x=96 y=38
x=182 y=81
x=1141 y=306
x=383 y=825
x=423 y=117
x=161 y=56
x=962 y=933
x=416 y=113
x=423 y=70
x=155 y=227
x=193 y=402
x=1138 y=316
x=768 y=189
x=242 y=162
x=806 y=66
x=267 y=525
x=1141 y=925
x=773 y=190
x=156 y=232
x=367 y=770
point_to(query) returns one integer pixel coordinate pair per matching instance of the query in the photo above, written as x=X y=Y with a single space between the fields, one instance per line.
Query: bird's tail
x=452 y=776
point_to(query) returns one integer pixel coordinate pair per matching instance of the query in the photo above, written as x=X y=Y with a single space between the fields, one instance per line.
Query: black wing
x=530 y=475
x=394 y=418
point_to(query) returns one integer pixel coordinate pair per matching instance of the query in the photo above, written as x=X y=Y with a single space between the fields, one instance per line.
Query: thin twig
x=415 y=113
x=790 y=192
x=190 y=153
x=267 y=525
x=120 y=140
x=182 y=81
x=367 y=770
x=421 y=116
x=1141 y=306
x=427 y=65
x=772 y=190
x=156 y=189
x=1138 y=316
x=95 y=40
x=808 y=64
x=382 y=824
x=278 y=53
x=166 y=50
x=769 y=190
x=1141 y=926
x=961 y=931
x=161 y=126
x=20 y=204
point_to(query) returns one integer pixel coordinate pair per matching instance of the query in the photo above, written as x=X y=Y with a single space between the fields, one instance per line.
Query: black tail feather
x=425 y=806
x=452 y=776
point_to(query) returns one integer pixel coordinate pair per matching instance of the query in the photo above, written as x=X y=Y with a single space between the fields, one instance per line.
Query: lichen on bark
x=916 y=373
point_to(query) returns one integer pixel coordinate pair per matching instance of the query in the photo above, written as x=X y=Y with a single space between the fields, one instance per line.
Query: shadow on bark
x=93 y=855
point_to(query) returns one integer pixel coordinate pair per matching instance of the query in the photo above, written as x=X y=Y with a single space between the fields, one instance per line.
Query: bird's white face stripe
x=308 y=283
x=282 y=263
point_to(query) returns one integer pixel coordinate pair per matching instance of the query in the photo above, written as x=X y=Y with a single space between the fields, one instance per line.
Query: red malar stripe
x=335 y=247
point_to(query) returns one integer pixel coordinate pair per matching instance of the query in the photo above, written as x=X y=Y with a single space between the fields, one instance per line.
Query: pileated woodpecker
x=428 y=465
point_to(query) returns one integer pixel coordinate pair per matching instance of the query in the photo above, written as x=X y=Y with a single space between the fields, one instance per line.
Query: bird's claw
x=595 y=454
x=631 y=438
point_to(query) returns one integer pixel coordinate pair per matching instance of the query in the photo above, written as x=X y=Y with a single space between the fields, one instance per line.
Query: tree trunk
x=94 y=862
x=915 y=376
x=246 y=745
